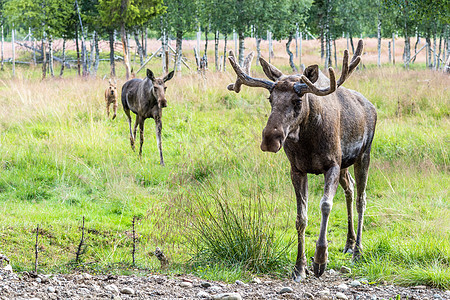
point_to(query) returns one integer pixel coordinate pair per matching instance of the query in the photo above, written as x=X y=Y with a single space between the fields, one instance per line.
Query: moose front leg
x=326 y=203
x=300 y=182
x=158 y=124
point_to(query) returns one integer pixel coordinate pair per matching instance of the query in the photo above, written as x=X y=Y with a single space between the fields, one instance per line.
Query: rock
x=186 y=284
x=205 y=284
x=345 y=270
x=228 y=296
x=78 y=277
x=127 y=290
x=308 y=295
x=355 y=283
x=419 y=287
x=343 y=287
x=203 y=294
x=256 y=280
x=112 y=288
x=86 y=276
x=51 y=289
x=45 y=279
x=340 y=295
x=324 y=293
x=8 y=268
x=332 y=272
x=364 y=281
x=38 y=279
x=285 y=289
x=215 y=289
x=438 y=297
x=238 y=282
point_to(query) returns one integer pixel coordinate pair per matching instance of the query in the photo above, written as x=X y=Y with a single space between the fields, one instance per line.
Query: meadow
x=61 y=160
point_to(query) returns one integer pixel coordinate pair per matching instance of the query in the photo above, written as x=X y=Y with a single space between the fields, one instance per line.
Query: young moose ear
x=312 y=73
x=168 y=76
x=150 y=75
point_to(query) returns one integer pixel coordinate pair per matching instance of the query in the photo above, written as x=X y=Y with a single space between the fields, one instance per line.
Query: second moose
x=146 y=98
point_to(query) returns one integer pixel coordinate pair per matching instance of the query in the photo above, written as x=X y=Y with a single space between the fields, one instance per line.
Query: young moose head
x=112 y=88
x=159 y=88
x=288 y=95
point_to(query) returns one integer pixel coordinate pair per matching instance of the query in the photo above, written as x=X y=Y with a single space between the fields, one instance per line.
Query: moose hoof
x=299 y=275
x=114 y=117
x=319 y=269
x=348 y=250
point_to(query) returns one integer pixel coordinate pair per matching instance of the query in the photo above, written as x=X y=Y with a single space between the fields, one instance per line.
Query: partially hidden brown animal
x=111 y=97
x=324 y=128
x=146 y=98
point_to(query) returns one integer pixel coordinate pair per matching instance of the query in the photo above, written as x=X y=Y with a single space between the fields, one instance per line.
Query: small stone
x=87 y=276
x=419 y=287
x=364 y=281
x=112 y=288
x=8 y=268
x=438 y=297
x=324 y=293
x=78 y=277
x=373 y=298
x=186 y=284
x=342 y=286
x=340 y=295
x=38 y=279
x=205 y=284
x=238 y=282
x=228 y=296
x=332 y=272
x=51 y=289
x=308 y=295
x=256 y=280
x=215 y=289
x=345 y=270
x=117 y=298
x=45 y=279
x=203 y=294
x=127 y=290
x=355 y=283
x=285 y=289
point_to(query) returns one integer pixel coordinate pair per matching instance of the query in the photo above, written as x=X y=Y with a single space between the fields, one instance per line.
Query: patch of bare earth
x=332 y=285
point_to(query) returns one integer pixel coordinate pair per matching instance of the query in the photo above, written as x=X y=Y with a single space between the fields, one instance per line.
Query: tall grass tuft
x=238 y=234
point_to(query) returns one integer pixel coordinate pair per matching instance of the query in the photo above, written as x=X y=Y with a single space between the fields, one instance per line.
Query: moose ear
x=150 y=75
x=312 y=73
x=168 y=76
x=271 y=72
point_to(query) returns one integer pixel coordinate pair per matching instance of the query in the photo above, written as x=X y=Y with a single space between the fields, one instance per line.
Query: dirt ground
x=332 y=285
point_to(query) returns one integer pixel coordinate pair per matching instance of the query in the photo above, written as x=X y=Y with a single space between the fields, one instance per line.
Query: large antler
x=348 y=69
x=243 y=77
x=309 y=87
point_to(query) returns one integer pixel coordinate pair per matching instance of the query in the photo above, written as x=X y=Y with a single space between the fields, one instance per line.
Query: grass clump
x=237 y=235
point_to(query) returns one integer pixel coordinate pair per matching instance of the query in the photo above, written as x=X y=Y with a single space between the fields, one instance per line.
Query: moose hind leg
x=115 y=104
x=361 y=175
x=300 y=182
x=141 y=130
x=347 y=183
x=326 y=204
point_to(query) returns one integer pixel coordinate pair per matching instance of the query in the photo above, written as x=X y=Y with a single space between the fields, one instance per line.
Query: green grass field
x=61 y=159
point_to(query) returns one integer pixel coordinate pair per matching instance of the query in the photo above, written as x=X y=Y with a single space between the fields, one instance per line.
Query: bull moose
x=146 y=98
x=324 y=128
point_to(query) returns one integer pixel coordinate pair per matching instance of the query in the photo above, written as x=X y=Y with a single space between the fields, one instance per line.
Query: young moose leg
x=127 y=112
x=300 y=182
x=136 y=123
x=347 y=183
x=361 y=174
x=141 y=130
x=158 y=124
x=326 y=203
x=107 y=108
x=115 y=104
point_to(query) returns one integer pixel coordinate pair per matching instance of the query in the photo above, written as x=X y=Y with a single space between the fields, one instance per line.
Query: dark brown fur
x=323 y=130
x=146 y=98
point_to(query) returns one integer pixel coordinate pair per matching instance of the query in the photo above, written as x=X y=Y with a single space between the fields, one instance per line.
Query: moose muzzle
x=272 y=139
